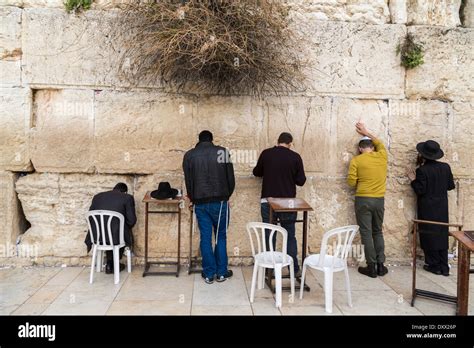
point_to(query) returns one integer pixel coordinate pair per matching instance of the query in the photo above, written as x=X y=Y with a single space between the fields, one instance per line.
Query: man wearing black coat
x=120 y=201
x=209 y=177
x=431 y=184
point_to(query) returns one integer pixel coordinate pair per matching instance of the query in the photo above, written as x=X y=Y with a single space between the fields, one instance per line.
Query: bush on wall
x=411 y=52
x=77 y=5
x=214 y=46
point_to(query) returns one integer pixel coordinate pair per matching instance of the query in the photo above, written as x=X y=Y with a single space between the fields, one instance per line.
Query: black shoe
x=445 y=272
x=369 y=271
x=432 y=269
x=109 y=269
x=207 y=280
x=381 y=269
x=223 y=278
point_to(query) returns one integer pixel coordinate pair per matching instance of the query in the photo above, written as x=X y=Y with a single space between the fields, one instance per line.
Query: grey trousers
x=369 y=214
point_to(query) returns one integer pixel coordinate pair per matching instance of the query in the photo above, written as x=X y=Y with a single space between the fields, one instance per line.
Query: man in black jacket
x=209 y=177
x=119 y=201
x=282 y=169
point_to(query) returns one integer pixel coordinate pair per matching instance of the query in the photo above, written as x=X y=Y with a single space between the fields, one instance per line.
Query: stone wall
x=75 y=128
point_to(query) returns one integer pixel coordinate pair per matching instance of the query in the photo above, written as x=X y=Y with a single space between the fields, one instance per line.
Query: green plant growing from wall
x=77 y=5
x=411 y=52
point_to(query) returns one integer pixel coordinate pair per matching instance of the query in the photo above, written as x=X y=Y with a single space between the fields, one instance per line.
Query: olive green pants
x=369 y=214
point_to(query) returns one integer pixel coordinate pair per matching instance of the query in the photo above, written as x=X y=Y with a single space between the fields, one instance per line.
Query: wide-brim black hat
x=430 y=149
x=164 y=191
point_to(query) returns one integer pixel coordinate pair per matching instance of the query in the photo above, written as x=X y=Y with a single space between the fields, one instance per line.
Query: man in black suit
x=120 y=201
x=431 y=183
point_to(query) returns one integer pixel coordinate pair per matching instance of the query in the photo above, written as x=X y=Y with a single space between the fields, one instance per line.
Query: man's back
x=434 y=179
x=282 y=169
x=369 y=172
x=209 y=173
x=119 y=202
x=111 y=200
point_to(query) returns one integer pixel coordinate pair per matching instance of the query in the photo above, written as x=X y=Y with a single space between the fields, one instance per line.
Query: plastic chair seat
x=110 y=247
x=265 y=259
x=313 y=262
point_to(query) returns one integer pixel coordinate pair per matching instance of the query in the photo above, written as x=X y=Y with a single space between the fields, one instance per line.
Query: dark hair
x=285 y=138
x=121 y=187
x=205 y=135
x=364 y=144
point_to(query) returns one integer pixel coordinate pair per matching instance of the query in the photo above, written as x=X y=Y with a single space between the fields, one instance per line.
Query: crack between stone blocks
x=308 y=114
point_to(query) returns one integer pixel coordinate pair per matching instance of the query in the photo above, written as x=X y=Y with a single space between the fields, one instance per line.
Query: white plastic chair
x=329 y=264
x=100 y=245
x=266 y=257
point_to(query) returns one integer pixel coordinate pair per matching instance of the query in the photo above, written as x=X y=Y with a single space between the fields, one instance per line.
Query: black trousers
x=437 y=259
x=110 y=255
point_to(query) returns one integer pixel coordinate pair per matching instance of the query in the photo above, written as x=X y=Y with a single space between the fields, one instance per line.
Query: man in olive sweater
x=368 y=174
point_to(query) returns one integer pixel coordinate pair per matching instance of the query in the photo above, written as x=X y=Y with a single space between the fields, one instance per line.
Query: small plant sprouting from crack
x=411 y=52
x=77 y=5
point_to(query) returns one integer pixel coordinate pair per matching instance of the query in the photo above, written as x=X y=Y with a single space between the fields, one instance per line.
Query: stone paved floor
x=66 y=291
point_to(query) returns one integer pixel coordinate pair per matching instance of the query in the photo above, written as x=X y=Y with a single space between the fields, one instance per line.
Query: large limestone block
x=428 y=118
x=55 y=205
x=343 y=136
x=448 y=70
x=468 y=14
x=67 y=49
x=466 y=198
x=237 y=123
x=10 y=214
x=15 y=114
x=374 y=12
x=398 y=11
x=460 y=151
x=11 y=3
x=400 y=209
x=333 y=204
x=434 y=12
x=324 y=128
x=10 y=46
x=352 y=59
x=244 y=208
x=44 y=3
x=454 y=204
x=142 y=132
x=62 y=137
x=308 y=120
x=33 y=3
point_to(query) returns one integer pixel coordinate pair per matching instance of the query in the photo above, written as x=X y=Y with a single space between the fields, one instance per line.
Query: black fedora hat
x=430 y=149
x=164 y=191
